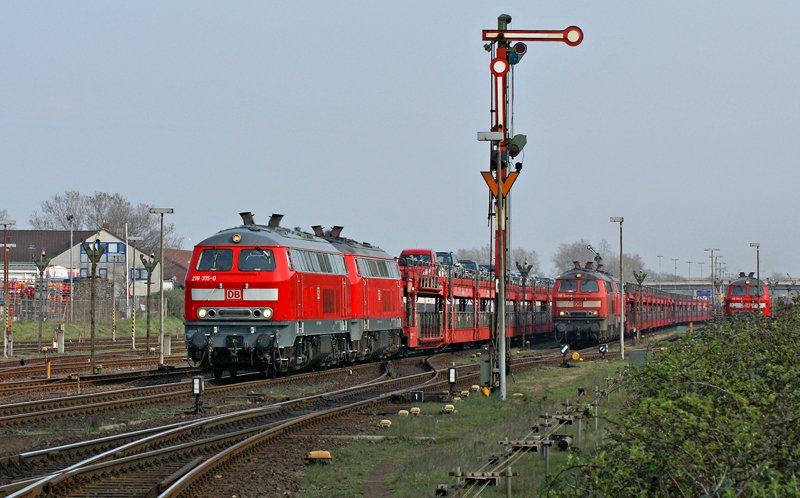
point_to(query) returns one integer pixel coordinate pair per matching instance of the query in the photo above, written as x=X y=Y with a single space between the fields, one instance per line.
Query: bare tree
x=92 y=212
x=578 y=251
x=3 y=214
x=485 y=255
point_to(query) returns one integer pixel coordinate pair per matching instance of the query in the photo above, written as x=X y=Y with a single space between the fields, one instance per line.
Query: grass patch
x=467 y=438
x=50 y=431
x=28 y=330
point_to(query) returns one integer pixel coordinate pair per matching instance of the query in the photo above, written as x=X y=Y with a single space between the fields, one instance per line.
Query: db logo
x=231 y=294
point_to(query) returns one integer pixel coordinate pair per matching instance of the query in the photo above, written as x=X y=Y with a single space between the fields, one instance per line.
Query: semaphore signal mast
x=505 y=147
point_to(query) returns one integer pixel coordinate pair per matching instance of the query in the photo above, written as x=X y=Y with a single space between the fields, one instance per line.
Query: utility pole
x=41 y=265
x=149 y=265
x=7 y=338
x=94 y=252
x=620 y=219
x=504 y=146
x=162 y=212
x=132 y=241
x=524 y=269
x=713 y=284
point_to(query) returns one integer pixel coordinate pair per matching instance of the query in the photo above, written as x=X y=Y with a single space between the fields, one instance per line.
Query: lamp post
x=675 y=271
x=6 y=322
x=162 y=212
x=701 y=263
x=757 y=245
x=94 y=252
x=41 y=264
x=713 y=290
x=149 y=265
x=620 y=219
x=659 y=271
x=71 y=220
x=524 y=269
x=639 y=275
x=690 y=268
x=132 y=241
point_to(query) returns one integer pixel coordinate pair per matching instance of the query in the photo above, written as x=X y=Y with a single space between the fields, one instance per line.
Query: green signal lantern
x=516 y=144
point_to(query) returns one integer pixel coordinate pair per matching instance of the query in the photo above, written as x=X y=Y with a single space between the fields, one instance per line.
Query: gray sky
x=681 y=116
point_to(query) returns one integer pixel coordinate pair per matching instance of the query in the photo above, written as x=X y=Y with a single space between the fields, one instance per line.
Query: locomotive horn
x=336 y=231
x=318 y=230
x=275 y=220
x=247 y=218
x=751 y=274
x=741 y=274
x=588 y=265
x=576 y=264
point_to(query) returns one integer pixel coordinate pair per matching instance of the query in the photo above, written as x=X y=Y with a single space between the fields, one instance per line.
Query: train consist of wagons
x=273 y=299
x=586 y=307
x=747 y=295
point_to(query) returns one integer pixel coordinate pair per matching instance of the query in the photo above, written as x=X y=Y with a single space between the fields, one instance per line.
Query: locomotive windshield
x=215 y=260
x=754 y=290
x=738 y=291
x=568 y=286
x=256 y=260
x=574 y=285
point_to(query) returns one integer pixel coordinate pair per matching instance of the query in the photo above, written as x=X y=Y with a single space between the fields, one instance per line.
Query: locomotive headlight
x=201 y=313
x=236 y=238
x=561 y=313
x=267 y=313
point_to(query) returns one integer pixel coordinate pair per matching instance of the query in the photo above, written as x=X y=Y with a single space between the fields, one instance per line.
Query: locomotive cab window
x=754 y=291
x=256 y=260
x=738 y=290
x=568 y=286
x=215 y=260
x=589 y=286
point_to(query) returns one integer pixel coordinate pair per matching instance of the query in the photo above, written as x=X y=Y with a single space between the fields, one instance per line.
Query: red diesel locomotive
x=747 y=295
x=586 y=307
x=272 y=299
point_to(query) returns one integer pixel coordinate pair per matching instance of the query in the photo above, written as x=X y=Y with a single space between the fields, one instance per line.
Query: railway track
x=80 y=365
x=183 y=459
x=160 y=448
x=77 y=382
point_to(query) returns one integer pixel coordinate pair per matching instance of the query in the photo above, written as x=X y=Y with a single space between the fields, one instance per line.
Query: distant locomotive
x=747 y=295
x=586 y=307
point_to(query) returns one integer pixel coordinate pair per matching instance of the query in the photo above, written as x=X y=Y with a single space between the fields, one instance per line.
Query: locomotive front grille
x=234 y=313
x=576 y=313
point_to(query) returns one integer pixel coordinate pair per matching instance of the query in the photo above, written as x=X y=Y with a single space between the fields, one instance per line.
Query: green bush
x=714 y=415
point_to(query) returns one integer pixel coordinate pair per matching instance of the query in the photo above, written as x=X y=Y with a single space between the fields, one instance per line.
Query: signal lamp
x=236 y=238
x=201 y=313
x=518 y=50
x=516 y=144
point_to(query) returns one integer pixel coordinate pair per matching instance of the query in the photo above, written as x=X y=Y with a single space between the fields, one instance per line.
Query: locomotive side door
x=299 y=294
